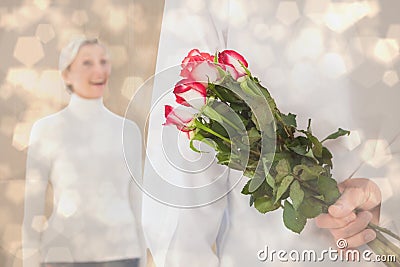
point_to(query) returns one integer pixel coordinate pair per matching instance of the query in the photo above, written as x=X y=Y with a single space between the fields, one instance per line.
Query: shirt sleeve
x=369 y=112
x=132 y=141
x=383 y=166
x=180 y=228
x=37 y=177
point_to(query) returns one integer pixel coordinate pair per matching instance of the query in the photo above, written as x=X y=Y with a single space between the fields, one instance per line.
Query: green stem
x=307 y=186
x=388 y=245
x=384 y=230
x=216 y=92
x=212 y=114
x=379 y=248
x=382 y=246
x=205 y=128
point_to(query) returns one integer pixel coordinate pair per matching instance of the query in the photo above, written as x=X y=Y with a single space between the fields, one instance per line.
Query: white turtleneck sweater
x=80 y=151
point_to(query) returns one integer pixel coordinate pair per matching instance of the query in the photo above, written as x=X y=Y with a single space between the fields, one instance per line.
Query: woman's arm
x=36 y=181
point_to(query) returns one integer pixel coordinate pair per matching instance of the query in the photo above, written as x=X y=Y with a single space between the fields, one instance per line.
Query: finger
x=353 y=228
x=360 y=239
x=371 y=191
x=352 y=198
x=327 y=221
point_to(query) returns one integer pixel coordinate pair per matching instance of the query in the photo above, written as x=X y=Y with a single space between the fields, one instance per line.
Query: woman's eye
x=104 y=61
x=87 y=63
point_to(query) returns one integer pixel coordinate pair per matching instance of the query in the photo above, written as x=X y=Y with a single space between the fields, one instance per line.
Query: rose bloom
x=190 y=93
x=182 y=119
x=193 y=58
x=232 y=59
x=200 y=67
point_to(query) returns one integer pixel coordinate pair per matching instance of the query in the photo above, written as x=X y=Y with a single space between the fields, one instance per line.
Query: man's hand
x=348 y=218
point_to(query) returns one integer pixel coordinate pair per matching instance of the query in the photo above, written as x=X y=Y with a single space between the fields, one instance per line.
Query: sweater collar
x=85 y=108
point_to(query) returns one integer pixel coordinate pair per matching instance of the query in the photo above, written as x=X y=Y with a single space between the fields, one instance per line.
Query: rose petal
x=178 y=117
x=190 y=93
x=204 y=72
x=233 y=59
x=194 y=58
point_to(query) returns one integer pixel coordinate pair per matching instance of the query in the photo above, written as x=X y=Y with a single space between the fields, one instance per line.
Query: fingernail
x=369 y=237
x=338 y=206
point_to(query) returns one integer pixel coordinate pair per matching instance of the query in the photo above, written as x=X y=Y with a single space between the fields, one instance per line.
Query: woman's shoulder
x=49 y=122
x=127 y=123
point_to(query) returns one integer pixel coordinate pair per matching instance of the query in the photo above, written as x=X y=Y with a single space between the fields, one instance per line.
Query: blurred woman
x=80 y=152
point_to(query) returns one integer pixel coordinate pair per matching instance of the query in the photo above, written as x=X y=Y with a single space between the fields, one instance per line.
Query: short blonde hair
x=69 y=52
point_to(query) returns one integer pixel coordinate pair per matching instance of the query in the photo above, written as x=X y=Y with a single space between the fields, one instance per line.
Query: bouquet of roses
x=287 y=167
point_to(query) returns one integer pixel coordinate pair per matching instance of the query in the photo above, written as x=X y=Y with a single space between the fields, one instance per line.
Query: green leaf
x=310 y=154
x=221 y=145
x=245 y=190
x=268 y=177
x=270 y=181
x=265 y=204
x=218 y=128
x=299 y=149
x=292 y=219
x=255 y=183
x=251 y=201
x=317 y=149
x=328 y=188
x=253 y=135
x=326 y=157
x=238 y=107
x=283 y=166
x=296 y=194
x=212 y=114
x=227 y=95
x=283 y=187
x=254 y=120
x=289 y=119
x=249 y=89
x=307 y=173
x=338 y=133
x=310 y=208
x=223 y=157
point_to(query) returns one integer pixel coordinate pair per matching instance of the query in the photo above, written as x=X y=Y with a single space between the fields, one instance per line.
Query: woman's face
x=88 y=73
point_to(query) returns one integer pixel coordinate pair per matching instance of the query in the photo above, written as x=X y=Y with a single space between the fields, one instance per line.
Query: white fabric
x=96 y=206
x=184 y=237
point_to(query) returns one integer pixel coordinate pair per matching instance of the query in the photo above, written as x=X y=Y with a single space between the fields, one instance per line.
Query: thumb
x=358 y=193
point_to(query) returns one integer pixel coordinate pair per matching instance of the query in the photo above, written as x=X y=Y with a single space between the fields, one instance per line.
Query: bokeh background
x=32 y=32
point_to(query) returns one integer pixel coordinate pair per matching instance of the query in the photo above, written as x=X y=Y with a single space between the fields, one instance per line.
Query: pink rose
x=190 y=93
x=200 y=67
x=180 y=118
x=193 y=58
x=232 y=59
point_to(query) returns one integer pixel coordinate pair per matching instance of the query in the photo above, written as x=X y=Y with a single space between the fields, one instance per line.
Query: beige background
x=31 y=36
x=32 y=32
